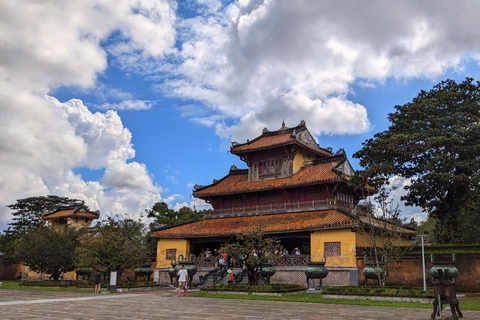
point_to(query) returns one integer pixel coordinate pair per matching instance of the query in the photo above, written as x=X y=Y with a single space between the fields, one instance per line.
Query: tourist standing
x=182 y=275
x=97 y=283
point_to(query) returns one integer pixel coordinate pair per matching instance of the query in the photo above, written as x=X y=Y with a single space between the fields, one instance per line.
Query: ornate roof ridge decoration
x=233 y=171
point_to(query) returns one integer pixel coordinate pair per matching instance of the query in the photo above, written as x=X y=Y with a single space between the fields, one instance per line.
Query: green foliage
x=7 y=244
x=14 y=285
x=253 y=250
x=117 y=245
x=165 y=217
x=49 y=250
x=391 y=291
x=48 y=283
x=435 y=141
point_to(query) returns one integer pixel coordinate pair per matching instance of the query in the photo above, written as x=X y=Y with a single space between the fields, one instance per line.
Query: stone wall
x=292 y=275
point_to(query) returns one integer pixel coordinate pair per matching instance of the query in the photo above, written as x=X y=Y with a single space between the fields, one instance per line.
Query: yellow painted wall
x=299 y=160
x=70 y=275
x=347 y=244
x=364 y=240
x=182 y=246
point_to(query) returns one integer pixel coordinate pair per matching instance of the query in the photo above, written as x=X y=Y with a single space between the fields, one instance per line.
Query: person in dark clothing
x=97 y=283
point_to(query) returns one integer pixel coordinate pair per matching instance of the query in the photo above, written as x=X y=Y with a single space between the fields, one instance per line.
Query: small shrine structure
x=78 y=216
x=292 y=189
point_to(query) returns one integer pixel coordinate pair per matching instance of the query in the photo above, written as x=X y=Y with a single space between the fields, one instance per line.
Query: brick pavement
x=15 y=305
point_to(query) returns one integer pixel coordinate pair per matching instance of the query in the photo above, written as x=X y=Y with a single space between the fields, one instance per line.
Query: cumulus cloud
x=42 y=139
x=257 y=62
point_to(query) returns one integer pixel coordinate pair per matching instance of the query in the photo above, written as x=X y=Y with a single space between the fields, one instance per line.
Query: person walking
x=97 y=283
x=182 y=275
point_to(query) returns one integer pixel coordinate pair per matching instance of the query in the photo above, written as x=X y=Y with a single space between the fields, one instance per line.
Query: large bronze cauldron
x=144 y=271
x=316 y=270
x=266 y=270
x=373 y=269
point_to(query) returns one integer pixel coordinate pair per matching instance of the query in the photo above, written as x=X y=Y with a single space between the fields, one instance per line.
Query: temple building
x=292 y=189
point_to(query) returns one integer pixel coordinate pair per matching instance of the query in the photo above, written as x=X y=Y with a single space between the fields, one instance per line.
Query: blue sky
x=125 y=103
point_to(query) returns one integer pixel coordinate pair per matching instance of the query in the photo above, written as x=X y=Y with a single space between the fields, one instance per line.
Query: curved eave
x=196 y=195
x=270 y=224
x=319 y=151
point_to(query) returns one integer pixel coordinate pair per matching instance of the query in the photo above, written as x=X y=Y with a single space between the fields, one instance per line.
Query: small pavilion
x=78 y=216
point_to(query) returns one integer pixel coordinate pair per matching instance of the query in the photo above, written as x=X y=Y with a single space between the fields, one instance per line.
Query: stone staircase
x=217 y=277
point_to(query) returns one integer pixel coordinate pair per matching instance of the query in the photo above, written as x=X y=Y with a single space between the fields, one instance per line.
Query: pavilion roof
x=237 y=180
x=270 y=224
x=273 y=140
x=72 y=212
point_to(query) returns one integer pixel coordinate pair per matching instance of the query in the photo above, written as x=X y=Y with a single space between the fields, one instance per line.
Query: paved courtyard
x=159 y=305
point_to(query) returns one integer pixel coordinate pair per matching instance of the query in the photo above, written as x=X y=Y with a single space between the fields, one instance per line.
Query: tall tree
x=27 y=213
x=49 y=250
x=253 y=250
x=165 y=217
x=434 y=141
x=383 y=234
x=116 y=246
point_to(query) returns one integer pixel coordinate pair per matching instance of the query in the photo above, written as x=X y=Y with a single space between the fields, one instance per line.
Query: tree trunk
x=55 y=275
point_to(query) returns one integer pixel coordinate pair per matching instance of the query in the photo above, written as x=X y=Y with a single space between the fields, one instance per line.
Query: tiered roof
x=271 y=224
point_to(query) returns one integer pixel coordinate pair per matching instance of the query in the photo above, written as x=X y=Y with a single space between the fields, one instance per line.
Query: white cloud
x=127 y=105
x=258 y=62
x=48 y=44
x=396 y=190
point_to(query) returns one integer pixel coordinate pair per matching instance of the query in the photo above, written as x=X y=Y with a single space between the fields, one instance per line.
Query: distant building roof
x=72 y=212
x=275 y=223
x=237 y=180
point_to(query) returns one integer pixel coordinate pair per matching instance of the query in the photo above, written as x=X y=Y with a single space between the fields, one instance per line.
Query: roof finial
x=283 y=123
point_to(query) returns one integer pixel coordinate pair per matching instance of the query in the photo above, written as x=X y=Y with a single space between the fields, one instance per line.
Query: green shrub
x=254 y=288
x=46 y=283
x=392 y=291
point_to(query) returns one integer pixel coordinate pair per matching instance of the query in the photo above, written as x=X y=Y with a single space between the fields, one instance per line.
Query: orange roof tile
x=270 y=141
x=275 y=223
x=70 y=213
x=238 y=183
x=384 y=225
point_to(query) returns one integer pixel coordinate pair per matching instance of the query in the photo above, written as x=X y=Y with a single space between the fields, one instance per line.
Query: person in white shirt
x=182 y=275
